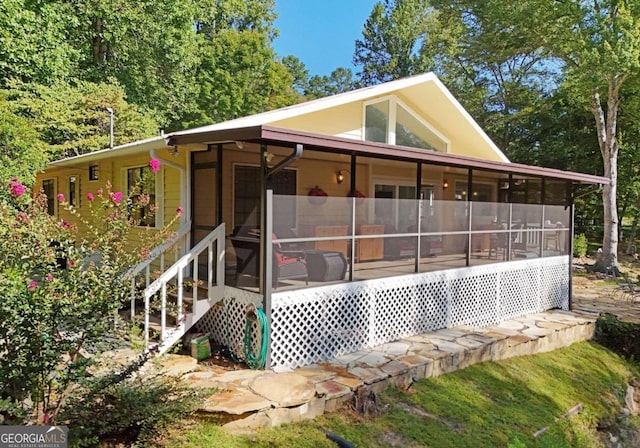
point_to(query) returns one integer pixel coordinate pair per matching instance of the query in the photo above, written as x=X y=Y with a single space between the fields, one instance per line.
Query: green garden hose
x=253 y=361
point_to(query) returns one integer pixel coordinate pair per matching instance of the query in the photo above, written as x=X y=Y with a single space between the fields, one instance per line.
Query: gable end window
x=389 y=120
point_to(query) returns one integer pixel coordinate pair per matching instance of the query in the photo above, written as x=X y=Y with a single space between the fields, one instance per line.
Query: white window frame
x=159 y=185
x=394 y=101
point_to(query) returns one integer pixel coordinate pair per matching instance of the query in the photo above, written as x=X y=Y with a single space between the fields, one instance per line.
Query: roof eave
x=288 y=137
x=138 y=147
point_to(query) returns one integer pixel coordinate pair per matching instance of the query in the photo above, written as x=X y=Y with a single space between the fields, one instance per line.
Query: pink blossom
x=16 y=188
x=90 y=197
x=99 y=192
x=22 y=217
x=116 y=197
x=60 y=197
x=65 y=224
x=155 y=165
x=49 y=277
x=32 y=285
x=179 y=211
x=71 y=263
x=143 y=200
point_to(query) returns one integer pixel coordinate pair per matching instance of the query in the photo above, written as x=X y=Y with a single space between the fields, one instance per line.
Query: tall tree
x=237 y=76
x=392 y=41
x=599 y=41
x=149 y=46
x=22 y=153
x=33 y=41
x=73 y=120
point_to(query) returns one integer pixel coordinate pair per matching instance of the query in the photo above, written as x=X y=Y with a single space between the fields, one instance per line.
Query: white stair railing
x=213 y=245
x=157 y=259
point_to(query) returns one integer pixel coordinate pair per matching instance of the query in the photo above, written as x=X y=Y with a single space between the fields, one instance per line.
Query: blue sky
x=321 y=33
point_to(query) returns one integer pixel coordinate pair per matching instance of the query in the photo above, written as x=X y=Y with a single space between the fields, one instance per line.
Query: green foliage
x=33 y=41
x=22 y=153
x=73 y=119
x=238 y=76
x=61 y=290
x=393 y=38
x=621 y=337
x=132 y=409
x=580 y=245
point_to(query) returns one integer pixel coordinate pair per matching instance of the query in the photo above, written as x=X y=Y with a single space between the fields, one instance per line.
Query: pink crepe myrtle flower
x=179 y=211
x=16 y=188
x=90 y=197
x=155 y=165
x=99 y=192
x=116 y=197
x=60 y=197
x=22 y=217
x=49 y=277
x=32 y=285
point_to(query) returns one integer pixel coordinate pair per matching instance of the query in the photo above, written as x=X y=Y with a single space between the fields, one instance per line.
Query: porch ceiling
x=286 y=137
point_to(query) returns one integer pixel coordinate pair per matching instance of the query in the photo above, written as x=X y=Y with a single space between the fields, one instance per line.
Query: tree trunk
x=606 y=130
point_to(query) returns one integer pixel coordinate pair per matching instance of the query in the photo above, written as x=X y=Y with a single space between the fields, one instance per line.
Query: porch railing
x=208 y=253
x=157 y=259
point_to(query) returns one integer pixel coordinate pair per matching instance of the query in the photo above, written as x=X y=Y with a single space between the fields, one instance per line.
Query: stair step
x=187 y=296
x=189 y=283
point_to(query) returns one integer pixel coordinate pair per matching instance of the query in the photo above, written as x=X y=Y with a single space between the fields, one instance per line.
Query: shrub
x=580 y=245
x=130 y=408
x=620 y=337
x=55 y=304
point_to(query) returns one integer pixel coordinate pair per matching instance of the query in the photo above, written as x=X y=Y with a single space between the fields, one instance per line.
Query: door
x=204 y=195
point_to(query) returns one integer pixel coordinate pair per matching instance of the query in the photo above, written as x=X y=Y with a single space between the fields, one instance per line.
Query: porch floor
x=249 y=399
x=388 y=268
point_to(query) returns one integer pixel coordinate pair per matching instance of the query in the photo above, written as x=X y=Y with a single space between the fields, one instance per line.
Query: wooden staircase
x=183 y=292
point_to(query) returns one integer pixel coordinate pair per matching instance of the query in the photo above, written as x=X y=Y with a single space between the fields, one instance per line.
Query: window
x=377 y=122
x=246 y=197
x=49 y=189
x=395 y=205
x=73 y=191
x=141 y=187
x=94 y=172
x=390 y=121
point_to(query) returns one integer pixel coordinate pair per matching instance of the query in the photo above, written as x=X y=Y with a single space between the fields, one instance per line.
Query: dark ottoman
x=325 y=266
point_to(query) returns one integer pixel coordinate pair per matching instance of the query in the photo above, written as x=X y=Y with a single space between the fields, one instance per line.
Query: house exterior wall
x=113 y=171
x=347 y=121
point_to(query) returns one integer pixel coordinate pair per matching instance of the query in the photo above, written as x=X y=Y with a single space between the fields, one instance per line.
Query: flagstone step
x=247 y=399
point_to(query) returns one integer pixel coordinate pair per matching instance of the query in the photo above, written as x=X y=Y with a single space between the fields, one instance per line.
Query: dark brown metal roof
x=288 y=137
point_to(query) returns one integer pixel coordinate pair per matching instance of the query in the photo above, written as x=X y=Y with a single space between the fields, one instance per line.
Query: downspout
x=266 y=245
x=297 y=153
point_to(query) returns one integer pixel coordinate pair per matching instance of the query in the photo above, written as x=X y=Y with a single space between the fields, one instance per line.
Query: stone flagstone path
x=248 y=399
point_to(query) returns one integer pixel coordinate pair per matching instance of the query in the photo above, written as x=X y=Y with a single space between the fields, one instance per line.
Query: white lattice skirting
x=316 y=324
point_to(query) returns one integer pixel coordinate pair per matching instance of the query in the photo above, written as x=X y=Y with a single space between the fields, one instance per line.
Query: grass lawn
x=497 y=404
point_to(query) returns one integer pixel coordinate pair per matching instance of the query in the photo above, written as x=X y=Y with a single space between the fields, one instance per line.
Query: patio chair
x=287 y=264
x=501 y=241
x=627 y=290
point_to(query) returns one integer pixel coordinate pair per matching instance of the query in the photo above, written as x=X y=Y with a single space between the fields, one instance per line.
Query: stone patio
x=249 y=399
